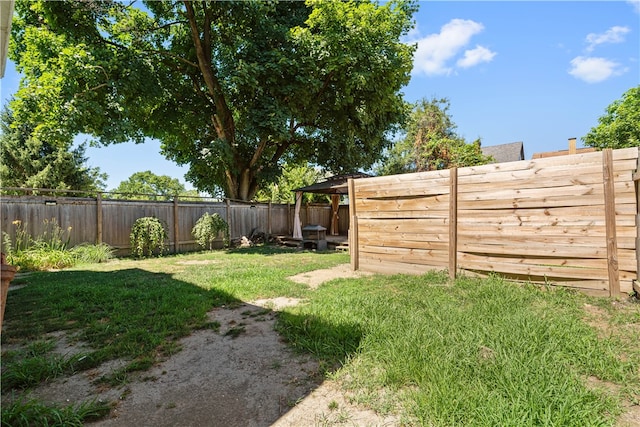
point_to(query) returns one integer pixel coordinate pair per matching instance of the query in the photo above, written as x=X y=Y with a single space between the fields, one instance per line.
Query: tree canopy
x=620 y=126
x=292 y=177
x=431 y=143
x=149 y=186
x=29 y=161
x=232 y=89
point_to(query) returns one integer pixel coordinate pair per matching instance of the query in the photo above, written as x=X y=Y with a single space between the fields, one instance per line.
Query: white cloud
x=594 y=70
x=612 y=35
x=414 y=33
x=435 y=50
x=475 y=56
x=635 y=4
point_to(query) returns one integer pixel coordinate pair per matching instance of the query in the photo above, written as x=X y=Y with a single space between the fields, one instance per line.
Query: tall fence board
x=567 y=220
x=110 y=220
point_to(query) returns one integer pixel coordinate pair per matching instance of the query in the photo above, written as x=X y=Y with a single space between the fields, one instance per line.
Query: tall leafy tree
x=233 y=89
x=32 y=161
x=620 y=126
x=431 y=143
x=149 y=186
x=292 y=177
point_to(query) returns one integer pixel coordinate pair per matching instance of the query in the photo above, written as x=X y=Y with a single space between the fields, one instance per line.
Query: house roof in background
x=511 y=152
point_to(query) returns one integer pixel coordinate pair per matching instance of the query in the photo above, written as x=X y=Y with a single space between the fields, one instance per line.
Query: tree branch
x=223 y=120
x=282 y=148
x=258 y=153
x=173 y=56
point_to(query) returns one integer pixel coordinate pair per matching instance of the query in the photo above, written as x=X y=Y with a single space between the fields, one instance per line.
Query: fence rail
x=97 y=219
x=567 y=220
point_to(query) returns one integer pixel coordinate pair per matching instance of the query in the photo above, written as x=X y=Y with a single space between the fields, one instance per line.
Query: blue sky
x=539 y=72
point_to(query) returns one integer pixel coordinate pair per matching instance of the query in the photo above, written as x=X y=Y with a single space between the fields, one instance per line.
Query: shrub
x=38 y=259
x=92 y=254
x=148 y=236
x=47 y=250
x=208 y=228
x=53 y=237
x=50 y=249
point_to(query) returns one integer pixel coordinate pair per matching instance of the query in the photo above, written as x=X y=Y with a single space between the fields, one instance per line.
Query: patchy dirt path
x=241 y=375
x=315 y=278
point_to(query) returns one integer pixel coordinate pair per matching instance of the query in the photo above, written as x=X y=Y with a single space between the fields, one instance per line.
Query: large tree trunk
x=242 y=186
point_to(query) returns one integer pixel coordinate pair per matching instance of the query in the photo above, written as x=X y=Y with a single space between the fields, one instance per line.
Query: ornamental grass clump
x=208 y=228
x=148 y=237
x=48 y=250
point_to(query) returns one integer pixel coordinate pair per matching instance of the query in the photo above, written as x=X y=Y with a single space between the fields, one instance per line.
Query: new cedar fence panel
x=567 y=220
x=402 y=222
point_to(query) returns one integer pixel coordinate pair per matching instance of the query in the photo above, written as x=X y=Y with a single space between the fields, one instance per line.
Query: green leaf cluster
x=50 y=249
x=232 y=89
x=148 y=237
x=292 y=177
x=149 y=186
x=27 y=159
x=431 y=143
x=208 y=228
x=620 y=126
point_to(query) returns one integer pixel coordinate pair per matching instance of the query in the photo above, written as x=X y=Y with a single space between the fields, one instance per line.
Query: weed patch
x=473 y=352
x=27 y=413
x=480 y=352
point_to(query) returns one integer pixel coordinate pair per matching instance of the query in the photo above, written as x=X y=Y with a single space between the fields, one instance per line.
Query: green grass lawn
x=474 y=352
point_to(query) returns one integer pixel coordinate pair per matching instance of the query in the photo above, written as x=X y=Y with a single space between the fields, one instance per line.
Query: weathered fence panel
x=118 y=215
x=567 y=220
x=188 y=215
x=110 y=220
x=34 y=212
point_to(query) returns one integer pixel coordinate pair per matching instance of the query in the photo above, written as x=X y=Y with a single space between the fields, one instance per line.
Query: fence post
x=353 y=227
x=176 y=226
x=453 y=222
x=229 y=218
x=268 y=222
x=610 y=222
x=636 y=184
x=99 y=218
x=636 y=283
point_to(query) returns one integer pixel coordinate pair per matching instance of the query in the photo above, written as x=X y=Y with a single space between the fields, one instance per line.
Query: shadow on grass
x=195 y=363
x=273 y=250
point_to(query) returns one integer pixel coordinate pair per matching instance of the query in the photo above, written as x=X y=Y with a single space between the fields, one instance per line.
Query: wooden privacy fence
x=96 y=220
x=569 y=221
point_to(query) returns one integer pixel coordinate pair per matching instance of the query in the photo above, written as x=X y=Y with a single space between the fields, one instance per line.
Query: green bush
x=208 y=228
x=92 y=254
x=52 y=238
x=50 y=249
x=37 y=259
x=148 y=237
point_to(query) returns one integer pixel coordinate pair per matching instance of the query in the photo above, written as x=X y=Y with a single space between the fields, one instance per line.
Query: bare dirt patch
x=240 y=375
x=315 y=278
